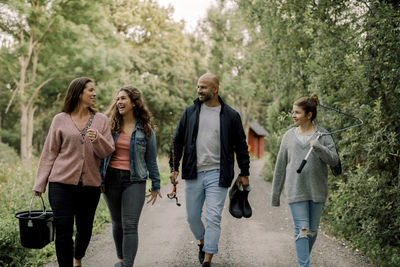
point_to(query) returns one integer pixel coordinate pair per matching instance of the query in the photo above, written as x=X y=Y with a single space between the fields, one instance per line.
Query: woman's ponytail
x=308 y=104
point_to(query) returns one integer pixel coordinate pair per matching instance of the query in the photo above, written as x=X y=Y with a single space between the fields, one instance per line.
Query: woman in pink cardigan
x=78 y=138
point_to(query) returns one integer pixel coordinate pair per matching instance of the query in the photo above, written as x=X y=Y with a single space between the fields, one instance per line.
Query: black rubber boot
x=246 y=208
x=235 y=201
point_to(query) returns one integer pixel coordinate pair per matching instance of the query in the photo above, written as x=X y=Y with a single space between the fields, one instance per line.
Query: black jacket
x=233 y=140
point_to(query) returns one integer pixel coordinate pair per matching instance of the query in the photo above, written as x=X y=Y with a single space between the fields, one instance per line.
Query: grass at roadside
x=15 y=194
x=16 y=185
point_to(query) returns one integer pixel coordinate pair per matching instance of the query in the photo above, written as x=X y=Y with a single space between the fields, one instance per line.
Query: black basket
x=35 y=227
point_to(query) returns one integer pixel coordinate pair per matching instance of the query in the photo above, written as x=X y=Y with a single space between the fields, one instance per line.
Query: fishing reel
x=172 y=195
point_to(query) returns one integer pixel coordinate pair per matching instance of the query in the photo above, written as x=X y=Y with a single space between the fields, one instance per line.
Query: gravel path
x=265 y=239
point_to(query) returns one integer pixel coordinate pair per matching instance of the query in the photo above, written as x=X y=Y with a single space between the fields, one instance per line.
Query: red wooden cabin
x=255 y=139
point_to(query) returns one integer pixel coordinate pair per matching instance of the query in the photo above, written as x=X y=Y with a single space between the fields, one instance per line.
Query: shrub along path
x=266 y=239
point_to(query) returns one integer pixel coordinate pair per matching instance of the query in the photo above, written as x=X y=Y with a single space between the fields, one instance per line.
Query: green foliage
x=51 y=43
x=234 y=49
x=7 y=154
x=163 y=63
x=347 y=52
x=364 y=208
x=11 y=137
x=15 y=195
x=129 y=42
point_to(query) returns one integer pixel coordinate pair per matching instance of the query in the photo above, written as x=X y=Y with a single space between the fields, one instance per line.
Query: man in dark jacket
x=208 y=135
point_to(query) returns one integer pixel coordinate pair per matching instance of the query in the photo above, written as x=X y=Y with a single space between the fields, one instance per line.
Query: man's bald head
x=207 y=89
x=212 y=78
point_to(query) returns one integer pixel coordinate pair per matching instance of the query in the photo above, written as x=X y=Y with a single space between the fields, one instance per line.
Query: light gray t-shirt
x=304 y=138
x=208 y=143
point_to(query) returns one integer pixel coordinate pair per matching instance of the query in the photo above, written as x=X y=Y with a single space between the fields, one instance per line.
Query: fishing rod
x=172 y=195
x=319 y=134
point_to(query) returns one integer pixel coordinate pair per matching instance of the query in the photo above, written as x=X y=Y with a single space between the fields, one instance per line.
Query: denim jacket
x=142 y=157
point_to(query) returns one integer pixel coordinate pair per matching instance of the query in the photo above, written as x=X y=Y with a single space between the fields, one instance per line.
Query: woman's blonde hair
x=308 y=104
x=140 y=111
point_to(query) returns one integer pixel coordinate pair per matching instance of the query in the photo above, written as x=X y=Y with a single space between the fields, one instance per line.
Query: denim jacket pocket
x=141 y=145
x=140 y=157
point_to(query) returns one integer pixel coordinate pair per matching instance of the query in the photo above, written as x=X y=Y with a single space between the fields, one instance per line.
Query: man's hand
x=243 y=180
x=174 y=177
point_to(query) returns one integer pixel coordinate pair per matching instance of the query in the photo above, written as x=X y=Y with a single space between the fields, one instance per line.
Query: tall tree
x=163 y=63
x=234 y=48
x=51 y=40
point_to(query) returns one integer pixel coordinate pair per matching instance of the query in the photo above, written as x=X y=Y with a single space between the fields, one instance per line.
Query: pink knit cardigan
x=65 y=156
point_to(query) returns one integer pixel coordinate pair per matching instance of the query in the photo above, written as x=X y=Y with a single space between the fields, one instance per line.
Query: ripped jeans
x=306 y=217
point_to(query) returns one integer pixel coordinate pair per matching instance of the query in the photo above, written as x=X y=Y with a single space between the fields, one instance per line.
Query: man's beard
x=206 y=97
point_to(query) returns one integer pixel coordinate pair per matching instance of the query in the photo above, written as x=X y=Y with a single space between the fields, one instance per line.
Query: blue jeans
x=205 y=188
x=125 y=201
x=306 y=217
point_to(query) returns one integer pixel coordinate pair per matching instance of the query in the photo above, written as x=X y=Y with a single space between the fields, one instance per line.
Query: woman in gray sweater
x=306 y=192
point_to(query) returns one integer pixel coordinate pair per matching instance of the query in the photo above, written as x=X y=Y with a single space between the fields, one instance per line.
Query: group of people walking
x=87 y=153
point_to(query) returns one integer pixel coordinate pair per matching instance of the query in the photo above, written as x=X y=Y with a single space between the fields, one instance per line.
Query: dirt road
x=265 y=239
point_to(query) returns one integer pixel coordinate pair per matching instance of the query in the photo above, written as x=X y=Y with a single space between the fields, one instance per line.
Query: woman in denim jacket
x=125 y=171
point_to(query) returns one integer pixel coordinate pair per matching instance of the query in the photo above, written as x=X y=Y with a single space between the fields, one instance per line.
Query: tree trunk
x=24 y=134
x=31 y=113
x=0 y=127
x=27 y=115
x=398 y=184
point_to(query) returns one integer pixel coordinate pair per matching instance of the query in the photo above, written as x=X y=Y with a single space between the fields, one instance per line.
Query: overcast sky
x=189 y=10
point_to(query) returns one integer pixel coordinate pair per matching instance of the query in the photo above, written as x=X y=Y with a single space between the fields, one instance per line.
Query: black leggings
x=70 y=202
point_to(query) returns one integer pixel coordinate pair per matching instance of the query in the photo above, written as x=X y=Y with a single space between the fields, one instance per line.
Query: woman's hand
x=153 y=195
x=92 y=134
x=38 y=194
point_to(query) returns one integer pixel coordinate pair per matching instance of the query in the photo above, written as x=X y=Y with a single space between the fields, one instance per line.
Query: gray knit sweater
x=312 y=182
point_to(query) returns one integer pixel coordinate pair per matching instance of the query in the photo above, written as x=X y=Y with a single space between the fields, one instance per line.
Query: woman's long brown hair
x=140 y=111
x=75 y=89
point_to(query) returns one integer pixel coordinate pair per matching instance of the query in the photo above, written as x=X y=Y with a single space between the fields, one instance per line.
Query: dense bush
x=364 y=203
